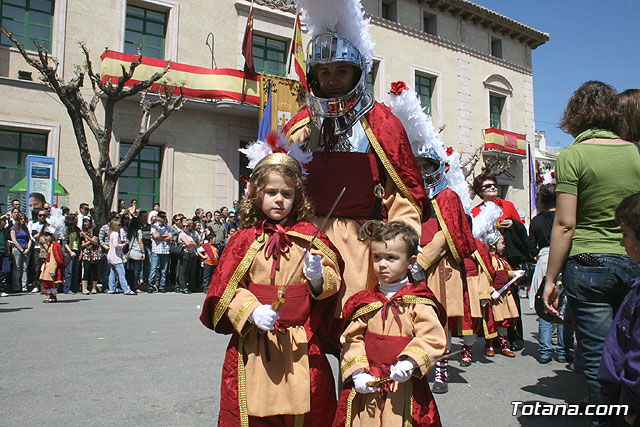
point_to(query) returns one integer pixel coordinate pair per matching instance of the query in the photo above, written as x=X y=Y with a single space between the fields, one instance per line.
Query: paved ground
x=115 y=360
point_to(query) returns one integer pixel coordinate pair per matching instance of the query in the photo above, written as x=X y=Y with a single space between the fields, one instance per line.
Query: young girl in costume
x=52 y=273
x=394 y=330
x=503 y=305
x=275 y=371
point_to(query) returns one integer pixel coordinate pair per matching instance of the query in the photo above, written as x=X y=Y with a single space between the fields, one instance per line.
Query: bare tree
x=496 y=166
x=104 y=176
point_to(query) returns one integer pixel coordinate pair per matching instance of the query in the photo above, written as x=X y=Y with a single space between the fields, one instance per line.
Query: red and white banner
x=198 y=82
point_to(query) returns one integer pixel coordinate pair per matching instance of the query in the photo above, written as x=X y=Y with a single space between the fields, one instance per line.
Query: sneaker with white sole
x=35 y=290
x=4 y=294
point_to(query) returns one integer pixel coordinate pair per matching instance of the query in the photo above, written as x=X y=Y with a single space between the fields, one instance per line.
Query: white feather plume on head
x=276 y=142
x=344 y=17
x=456 y=181
x=548 y=177
x=420 y=131
x=56 y=221
x=484 y=224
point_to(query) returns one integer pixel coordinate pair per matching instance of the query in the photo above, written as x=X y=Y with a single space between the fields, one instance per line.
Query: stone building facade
x=472 y=66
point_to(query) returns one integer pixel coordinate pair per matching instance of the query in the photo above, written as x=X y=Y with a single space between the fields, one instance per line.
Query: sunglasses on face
x=484 y=187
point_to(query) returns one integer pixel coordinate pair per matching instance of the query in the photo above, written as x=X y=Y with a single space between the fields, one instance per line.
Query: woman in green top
x=593 y=175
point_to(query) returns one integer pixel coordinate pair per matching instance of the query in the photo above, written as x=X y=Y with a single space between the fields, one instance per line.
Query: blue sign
x=40 y=183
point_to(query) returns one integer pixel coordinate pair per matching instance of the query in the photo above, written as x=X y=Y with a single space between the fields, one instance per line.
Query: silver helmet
x=435 y=181
x=344 y=110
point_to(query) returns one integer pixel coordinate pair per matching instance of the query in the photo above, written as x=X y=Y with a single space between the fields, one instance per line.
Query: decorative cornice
x=400 y=28
x=490 y=19
x=283 y=5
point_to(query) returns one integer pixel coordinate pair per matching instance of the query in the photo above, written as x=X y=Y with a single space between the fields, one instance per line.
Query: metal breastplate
x=353 y=141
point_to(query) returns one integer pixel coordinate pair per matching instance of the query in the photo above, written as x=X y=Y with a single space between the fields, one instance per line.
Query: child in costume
x=275 y=371
x=53 y=268
x=503 y=305
x=620 y=363
x=394 y=330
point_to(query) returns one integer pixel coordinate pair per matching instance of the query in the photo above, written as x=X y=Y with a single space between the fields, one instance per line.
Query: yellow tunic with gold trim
x=417 y=312
x=273 y=376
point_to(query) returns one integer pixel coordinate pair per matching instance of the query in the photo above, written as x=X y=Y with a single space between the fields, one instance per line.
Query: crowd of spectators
x=135 y=251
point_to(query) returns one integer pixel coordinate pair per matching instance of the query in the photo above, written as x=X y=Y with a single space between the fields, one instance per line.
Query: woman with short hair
x=593 y=175
x=21 y=240
x=114 y=257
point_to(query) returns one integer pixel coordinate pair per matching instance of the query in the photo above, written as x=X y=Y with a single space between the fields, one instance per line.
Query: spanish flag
x=298 y=53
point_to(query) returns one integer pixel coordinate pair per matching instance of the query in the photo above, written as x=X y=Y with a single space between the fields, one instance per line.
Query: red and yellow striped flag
x=298 y=53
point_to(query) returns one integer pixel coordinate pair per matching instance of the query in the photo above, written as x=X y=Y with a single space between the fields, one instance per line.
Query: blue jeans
x=71 y=272
x=5 y=266
x=117 y=270
x=146 y=264
x=159 y=261
x=565 y=339
x=207 y=273
x=594 y=295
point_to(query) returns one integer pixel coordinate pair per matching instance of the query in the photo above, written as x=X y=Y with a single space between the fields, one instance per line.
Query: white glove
x=417 y=272
x=264 y=317
x=312 y=266
x=360 y=380
x=402 y=371
x=495 y=295
x=519 y=273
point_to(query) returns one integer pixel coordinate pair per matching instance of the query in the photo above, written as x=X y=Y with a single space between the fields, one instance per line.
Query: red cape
x=509 y=210
x=235 y=262
x=398 y=157
x=453 y=221
x=60 y=260
x=368 y=296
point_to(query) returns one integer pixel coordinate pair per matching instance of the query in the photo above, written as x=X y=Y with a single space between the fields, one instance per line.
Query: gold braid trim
x=487 y=335
x=387 y=165
x=350 y=363
x=408 y=404
x=352 y=396
x=298 y=421
x=478 y=258
x=302 y=123
x=366 y=309
x=445 y=230
x=241 y=270
x=425 y=357
x=242 y=386
x=426 y=262
x=414 y=299
x=243 y=308
x=320 y=245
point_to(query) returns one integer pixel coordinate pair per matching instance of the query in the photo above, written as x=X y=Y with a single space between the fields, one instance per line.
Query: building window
x=146 y=28
x=495 y=111
x=430 y=23
x=15 y=146
x=389 y=10
x=496 y=47
x=424 y=89
x=141 y=180
x=269 y=55
x=371 y=77
x=28 y=20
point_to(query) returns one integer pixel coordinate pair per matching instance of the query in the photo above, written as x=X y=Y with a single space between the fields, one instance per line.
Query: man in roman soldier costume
x=447 y=238
x=356 y=142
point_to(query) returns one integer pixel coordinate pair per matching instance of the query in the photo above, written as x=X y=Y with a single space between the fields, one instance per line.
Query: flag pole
x=244 y=70
x=293 y=43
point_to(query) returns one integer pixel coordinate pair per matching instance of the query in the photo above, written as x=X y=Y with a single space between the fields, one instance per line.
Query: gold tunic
x=272 y=384
x=419 y=321
x=505 y=307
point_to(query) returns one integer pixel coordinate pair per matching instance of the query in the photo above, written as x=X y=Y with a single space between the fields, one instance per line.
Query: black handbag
x=176 y=248
x=563 y=307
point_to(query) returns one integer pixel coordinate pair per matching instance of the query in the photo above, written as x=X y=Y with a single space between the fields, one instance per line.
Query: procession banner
x=287 y=97
x=40 y=171
x=197 y=82
x=505 y=141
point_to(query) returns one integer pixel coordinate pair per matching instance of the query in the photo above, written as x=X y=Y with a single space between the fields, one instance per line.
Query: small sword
x=278 y=299
x=382 y=381
x=504 y=288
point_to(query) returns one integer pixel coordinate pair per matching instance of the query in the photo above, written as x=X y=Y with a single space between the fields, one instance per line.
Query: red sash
x=297 y=306
x=382 y=352
x=209 y=250
x=329 y=172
